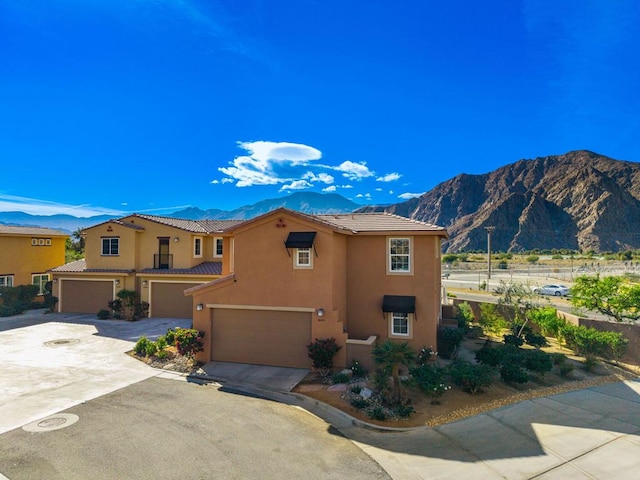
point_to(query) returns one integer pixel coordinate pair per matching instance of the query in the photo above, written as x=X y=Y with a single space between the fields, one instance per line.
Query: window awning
x=300 y=239
x=399 y=304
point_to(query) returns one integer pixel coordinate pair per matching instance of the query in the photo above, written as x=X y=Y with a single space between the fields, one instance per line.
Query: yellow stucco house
x=27 y=253
x=159 y=257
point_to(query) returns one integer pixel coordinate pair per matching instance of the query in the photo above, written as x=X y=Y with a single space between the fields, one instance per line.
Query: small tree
x=521 y=299
x=612 y=296
x=321 y=353
x=391 y=355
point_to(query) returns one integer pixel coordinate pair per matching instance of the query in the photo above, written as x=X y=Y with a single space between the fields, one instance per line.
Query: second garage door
x=83 y=296
x=261 y=337
x=168 y=300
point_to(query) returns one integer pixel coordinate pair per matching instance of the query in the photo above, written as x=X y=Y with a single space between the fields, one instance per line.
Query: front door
x=163 y=253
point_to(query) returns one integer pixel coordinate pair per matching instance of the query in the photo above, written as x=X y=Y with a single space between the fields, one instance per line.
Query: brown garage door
x=82 y=296
x=168 y=300
x=261 y=337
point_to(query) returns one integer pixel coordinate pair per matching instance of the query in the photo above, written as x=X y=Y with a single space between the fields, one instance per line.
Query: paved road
x=166 y=429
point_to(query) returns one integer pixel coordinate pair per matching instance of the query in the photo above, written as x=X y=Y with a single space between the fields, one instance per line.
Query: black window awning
x=300 y=239
x=399 y=304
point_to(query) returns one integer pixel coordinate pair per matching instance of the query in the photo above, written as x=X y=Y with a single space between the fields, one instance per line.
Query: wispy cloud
x=11 y=203
x=407 y=196
x=296 y=185
x=364 y=195
x=389 y=177
x=330 y=189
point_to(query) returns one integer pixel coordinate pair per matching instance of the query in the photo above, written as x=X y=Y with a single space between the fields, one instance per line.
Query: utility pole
x=489 y=230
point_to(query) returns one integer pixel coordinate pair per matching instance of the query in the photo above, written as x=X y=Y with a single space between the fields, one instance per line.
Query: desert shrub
x=321 y=353
x=513 y=373
x=431 y=380
x=381 y=379
x=558 y=358
x=359 y=403
x=357 y=370
x=404 y=410
x=547 y=321
x=519 y=329
x=594 y=343
x=103 y=314
x=128 y=306
x=340 y=378
x=472 y=378
x=490 y=356
x=356 y=389
x=140 y=348
x=565 y=369
x=513 y=340
x=535 y=339
x=188 y=341
x=15 y=300
x=162 y=354
x=533 y=259
x=170 y=336
x=449 y=339
x=425 y=354
x=151 y=349
x=537 y=361
x=465 y=315
x=161 y=342
x=378 y=413
x=590 y=363
x=490 y=320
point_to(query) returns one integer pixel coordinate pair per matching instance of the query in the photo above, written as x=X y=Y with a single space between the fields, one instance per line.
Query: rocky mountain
x=307 y=202
x=580 y=200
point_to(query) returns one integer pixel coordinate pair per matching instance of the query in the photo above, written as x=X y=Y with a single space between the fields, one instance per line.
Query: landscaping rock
x=366 y=393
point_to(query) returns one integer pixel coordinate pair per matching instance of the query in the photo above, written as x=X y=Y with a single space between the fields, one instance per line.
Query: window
x=197 y=247
x=400 y=324
x=6 y=281
x=40 y=280
x=34 y=242
x=399 y=255
x=110 y=246
x=217 y=247
x=303 y=258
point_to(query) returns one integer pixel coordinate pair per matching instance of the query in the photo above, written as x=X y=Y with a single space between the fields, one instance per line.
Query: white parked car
x=557 y=290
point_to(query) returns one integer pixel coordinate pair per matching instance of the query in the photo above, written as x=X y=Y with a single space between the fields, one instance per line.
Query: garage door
x=81 y=296
x=261 y=337
x=168 y=300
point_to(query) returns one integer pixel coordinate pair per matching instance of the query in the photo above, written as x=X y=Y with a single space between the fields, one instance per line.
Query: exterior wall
x=265 y=276
x=126 y=258
x=21 y=259
x=368 y=281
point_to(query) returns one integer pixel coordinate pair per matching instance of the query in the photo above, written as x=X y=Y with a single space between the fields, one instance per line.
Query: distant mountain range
x=580 y=201
x=307 y=202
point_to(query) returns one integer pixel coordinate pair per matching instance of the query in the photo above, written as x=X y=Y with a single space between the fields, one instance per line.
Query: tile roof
x=194 y=226
x=80 y=266
x=378 y=222
x=38 y=231
x=204 y=268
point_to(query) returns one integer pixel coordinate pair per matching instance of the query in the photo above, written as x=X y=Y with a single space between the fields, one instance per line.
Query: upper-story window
x=399 y=255
x=197 y=247
x=110 y=245
x=41 y=242
x=303 y=258
x=6 y=280
x=217 y=247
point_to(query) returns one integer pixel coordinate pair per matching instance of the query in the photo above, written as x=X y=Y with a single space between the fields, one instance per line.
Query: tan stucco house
x=159 y=257
x=292 y=278
x=27 y=253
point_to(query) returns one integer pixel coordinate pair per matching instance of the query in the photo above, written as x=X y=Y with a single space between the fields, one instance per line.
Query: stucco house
x=159 y=257
x=292 y=278
x=27 y=253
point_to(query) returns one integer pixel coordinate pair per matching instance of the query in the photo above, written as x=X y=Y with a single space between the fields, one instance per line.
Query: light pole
x=489 y=230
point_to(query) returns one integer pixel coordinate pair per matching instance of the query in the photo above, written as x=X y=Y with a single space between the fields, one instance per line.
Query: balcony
x=163 y=261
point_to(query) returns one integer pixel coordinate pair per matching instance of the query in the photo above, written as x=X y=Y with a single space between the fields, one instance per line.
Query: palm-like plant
x=390 y=355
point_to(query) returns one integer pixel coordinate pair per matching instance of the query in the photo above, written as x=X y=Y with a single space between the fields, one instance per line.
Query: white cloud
x=365 y=195
x=10 y=203
x=226 y=180
x=296 y=185
x=407 y=196
x=345 y=186
x=378 y=189
x=353 y=170
x=390 y=192
x=269 y=163
x=320 y=177
x=389 y=177
x=215 y=182
x=330 y=189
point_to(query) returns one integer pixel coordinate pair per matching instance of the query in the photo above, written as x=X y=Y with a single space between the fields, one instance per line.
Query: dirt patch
x=456 y=404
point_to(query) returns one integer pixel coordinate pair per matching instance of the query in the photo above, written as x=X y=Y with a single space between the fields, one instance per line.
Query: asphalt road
x=168 y=429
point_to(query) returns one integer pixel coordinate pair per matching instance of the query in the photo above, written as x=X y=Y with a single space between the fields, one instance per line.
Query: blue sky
x=114 y=106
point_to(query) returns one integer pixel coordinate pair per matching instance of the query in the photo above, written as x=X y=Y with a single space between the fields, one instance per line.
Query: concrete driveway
x=52 y=362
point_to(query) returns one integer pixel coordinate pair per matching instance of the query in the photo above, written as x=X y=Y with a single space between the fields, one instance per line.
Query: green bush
x=321 y=353
x=558 y=358
x=356 y=389
x=565 y=369
x=513 y=373
x=357 y=370
x=337 y=378
x=15 y=300
x=128 y=306
x=404 y=410
x=425 y=354
x=594 y=343
x=490 y=356
x=431 y=380
x=537 y=361
x=140 y=348
x=535 y=339
x=103 y=314
x=152 y=349
x=171 y=337
x=513 y=340
x=547 y=321
x=161 y=342
x=465 y=315
x=490 y=320
x=378 y=413
x=359 y=403
x=472 y=378
x=449 y=339
x=188 y=341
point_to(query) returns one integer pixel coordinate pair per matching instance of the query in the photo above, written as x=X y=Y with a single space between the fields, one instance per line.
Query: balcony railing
x=163 y=261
